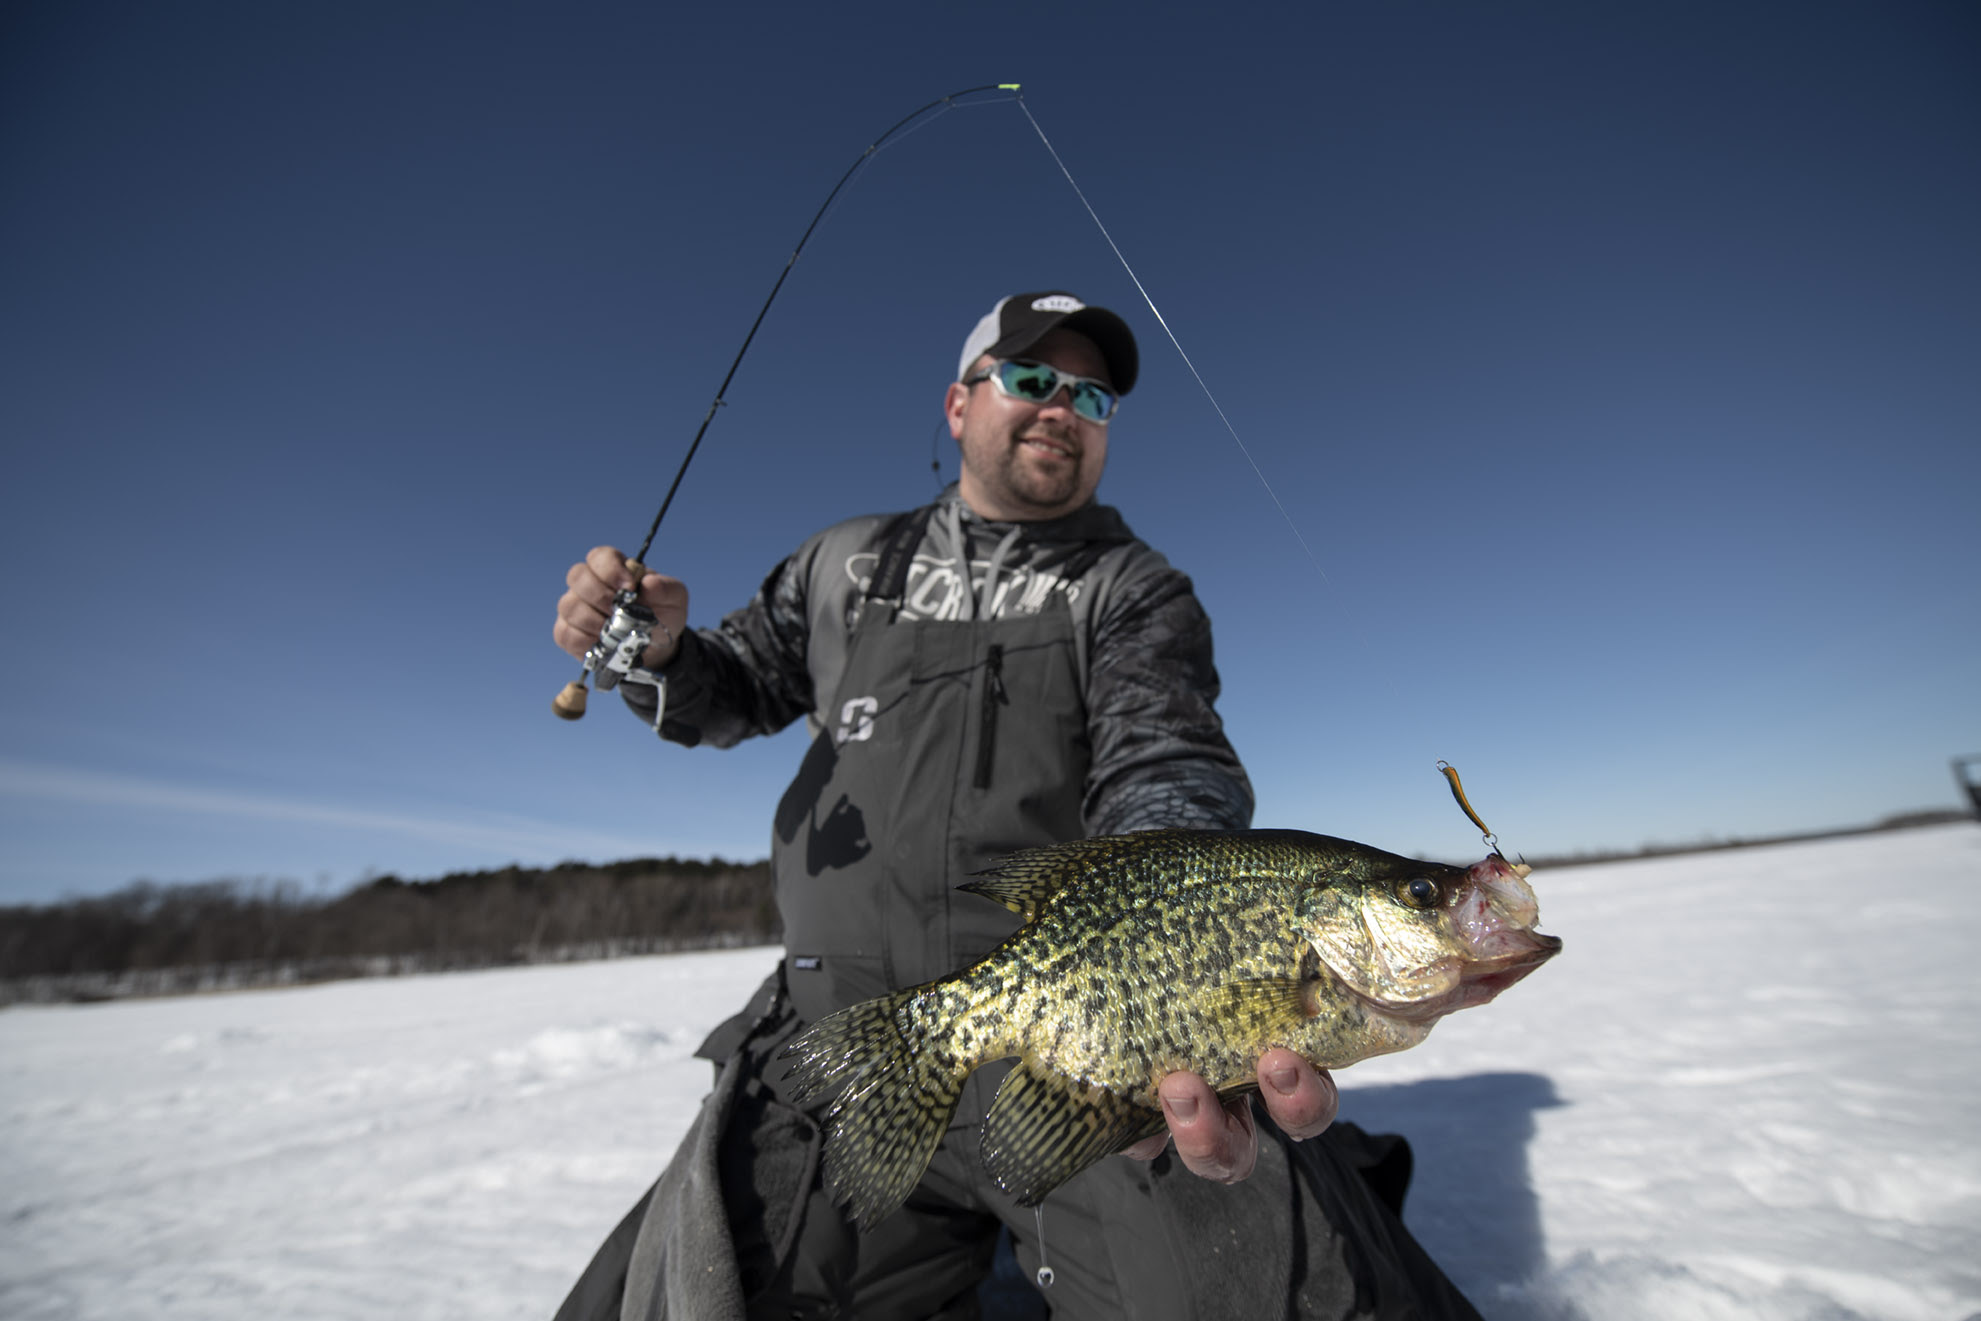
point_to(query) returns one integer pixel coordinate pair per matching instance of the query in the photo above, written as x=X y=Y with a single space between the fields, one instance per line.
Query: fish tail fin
x=897 y=1079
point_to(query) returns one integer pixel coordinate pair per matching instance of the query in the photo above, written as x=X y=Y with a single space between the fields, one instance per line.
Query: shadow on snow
x=1471 y=1201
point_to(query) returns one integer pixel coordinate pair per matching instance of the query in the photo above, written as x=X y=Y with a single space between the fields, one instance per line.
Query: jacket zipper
x=994 y=697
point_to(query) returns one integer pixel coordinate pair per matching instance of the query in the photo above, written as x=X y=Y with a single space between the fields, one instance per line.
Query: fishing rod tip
x=1007 y=87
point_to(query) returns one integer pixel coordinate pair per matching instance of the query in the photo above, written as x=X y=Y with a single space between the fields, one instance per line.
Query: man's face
x=1023 y=461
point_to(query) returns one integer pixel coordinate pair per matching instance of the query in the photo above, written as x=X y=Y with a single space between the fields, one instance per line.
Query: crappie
x=1145 y=954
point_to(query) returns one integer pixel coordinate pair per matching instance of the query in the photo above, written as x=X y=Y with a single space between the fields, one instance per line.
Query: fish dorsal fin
x=1023 y=895
x=1025 y=880
x=1044 y=1128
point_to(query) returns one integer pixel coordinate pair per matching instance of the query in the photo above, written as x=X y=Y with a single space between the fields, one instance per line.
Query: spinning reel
x=615 y=657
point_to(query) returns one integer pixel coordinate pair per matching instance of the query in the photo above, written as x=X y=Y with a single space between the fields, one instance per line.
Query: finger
x=608 y=565
x=584 y=582
x=575 y=638
x=664 y=595
x=1212 y=1141
x=578 y=623
x=580 y=610
x=1301 y=1099
x=1149 y=1147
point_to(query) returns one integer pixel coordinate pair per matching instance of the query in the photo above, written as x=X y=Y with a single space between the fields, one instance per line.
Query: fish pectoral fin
x=1260 y=1007
x=1044 y=1128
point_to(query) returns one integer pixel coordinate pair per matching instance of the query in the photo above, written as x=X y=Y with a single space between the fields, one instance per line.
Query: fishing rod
x=628 y=631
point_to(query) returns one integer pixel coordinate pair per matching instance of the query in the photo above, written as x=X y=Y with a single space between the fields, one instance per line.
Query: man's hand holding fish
x=1215 y=1138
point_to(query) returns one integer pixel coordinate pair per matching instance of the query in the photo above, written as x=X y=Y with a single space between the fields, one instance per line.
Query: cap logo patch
x=1057 y=303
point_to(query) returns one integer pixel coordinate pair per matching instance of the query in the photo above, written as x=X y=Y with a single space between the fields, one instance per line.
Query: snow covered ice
x=441 y=1146
x=1745 y=1090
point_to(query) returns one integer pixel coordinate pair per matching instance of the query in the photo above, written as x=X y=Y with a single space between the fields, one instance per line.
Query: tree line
x=161 y=939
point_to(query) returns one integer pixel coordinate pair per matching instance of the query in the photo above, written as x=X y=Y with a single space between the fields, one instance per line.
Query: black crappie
x=1145 y=954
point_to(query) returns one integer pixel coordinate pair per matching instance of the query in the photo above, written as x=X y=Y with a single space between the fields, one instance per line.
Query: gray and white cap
x=1022 y=320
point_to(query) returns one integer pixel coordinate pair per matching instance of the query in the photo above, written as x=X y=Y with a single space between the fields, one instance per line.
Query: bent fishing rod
x=628 y=631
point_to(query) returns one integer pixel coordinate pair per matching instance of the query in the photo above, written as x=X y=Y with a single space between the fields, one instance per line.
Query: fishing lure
x=1458 y=792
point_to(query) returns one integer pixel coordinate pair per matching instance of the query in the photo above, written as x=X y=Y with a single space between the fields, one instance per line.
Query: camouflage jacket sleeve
x=749 y=676
x=1160 y=757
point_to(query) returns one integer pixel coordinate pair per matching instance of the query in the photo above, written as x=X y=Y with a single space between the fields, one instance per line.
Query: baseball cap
x=1021 y=320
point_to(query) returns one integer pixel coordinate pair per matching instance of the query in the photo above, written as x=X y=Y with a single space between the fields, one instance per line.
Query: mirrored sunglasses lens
x=1024 y=380
x=1092 y=402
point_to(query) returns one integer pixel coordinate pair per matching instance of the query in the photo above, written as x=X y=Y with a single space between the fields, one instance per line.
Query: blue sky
x=1618 y=363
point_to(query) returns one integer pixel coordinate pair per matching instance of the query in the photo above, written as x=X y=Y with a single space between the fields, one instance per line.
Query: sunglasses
x=1036 y=383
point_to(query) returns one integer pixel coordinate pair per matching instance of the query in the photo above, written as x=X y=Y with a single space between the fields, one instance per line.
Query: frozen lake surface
x=1746 y=1090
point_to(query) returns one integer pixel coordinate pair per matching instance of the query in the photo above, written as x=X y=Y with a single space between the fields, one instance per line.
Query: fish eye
x=1419 y=892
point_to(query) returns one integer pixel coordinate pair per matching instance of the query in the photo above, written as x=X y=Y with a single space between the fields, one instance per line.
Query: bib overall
x=948 y=744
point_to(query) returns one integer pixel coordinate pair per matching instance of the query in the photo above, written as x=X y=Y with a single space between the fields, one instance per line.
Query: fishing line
x=1177 y=345
x=1450 y=774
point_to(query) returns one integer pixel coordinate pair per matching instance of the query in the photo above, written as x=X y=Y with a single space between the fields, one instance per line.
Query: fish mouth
x=1511 y=947
x=1487 y=978
x=1516 y=953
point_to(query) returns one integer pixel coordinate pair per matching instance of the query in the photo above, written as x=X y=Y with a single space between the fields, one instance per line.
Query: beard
x=1023 y=476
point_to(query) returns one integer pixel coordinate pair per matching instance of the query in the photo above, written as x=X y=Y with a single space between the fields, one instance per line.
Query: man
x=1008 y=667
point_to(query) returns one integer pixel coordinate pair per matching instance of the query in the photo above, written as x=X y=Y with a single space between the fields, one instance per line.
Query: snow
x=444 y=1145
x=1744 y=1090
